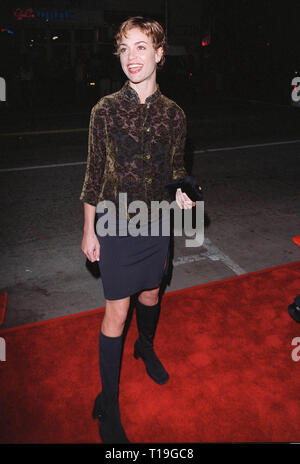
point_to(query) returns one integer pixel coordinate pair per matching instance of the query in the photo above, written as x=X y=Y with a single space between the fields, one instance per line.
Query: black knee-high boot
x=106 y=408
x=147 y=318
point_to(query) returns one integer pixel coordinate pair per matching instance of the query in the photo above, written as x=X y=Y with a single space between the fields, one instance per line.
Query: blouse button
x=148 y=129
x=147 y=156
x=148 y=180
x=148 y=106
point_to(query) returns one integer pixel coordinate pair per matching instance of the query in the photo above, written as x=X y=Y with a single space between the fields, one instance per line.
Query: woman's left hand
x=183 y=201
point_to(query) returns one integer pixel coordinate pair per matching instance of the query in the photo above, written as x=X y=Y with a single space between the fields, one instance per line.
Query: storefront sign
x=29 y=13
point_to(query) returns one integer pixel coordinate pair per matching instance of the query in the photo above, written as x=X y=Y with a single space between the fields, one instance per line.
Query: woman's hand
x=183 y=201
x=90 y=246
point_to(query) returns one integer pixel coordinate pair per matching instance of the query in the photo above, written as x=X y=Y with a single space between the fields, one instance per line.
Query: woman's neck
x=144 y=89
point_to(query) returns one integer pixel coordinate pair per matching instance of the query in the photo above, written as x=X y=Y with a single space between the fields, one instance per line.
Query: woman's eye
x=141 y=47
x=122 y=50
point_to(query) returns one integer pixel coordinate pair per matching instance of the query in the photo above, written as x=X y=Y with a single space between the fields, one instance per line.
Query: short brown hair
x=148 y=26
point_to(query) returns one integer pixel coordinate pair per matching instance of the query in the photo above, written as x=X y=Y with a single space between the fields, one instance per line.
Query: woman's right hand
x=90 y=246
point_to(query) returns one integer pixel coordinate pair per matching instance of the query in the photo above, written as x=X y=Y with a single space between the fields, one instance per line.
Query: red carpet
x=226 y=345
x=296 y=239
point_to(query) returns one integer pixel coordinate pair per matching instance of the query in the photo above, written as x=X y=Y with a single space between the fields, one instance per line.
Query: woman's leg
x=106 y=407
x=147 y=314
x=149 y=297
x=115 y=317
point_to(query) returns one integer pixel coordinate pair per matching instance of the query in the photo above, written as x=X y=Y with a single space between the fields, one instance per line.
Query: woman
x=136 y=145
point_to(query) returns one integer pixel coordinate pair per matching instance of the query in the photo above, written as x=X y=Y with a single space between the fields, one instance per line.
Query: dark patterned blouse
x=134 y=148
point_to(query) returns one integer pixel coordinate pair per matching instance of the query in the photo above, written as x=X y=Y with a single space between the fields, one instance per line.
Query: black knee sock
x=109 y=359
x=147 y=319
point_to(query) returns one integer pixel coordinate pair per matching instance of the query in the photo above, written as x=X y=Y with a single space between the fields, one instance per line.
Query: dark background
x=240 y=48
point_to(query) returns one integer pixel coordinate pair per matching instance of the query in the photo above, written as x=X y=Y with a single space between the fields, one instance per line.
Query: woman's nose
x=131 y=54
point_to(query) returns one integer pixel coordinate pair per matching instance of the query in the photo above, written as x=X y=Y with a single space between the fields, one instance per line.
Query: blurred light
x=7 y=30
x=54 y=37
x=22 y=13
x=268 y=44
x=92 y=83
x=190 y=74
x=205 y=41
x=295 y=87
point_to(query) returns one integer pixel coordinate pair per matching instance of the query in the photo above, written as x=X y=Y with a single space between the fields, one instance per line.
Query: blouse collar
x=128 y=92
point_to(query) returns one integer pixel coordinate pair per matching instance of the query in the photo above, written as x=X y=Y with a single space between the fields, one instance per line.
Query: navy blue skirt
x=130 y=264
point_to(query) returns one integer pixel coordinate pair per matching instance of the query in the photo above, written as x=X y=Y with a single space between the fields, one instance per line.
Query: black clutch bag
x=188 y=185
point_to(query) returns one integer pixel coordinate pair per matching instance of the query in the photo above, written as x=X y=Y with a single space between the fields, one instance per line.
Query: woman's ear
x=158 y=54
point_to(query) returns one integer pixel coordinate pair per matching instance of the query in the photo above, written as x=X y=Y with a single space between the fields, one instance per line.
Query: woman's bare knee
x=149 y=297
x=115 y=316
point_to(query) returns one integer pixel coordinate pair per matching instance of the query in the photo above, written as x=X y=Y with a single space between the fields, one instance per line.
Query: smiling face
x=138 y=56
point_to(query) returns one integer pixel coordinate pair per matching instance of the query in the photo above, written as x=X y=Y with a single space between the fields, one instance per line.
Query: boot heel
x=136 y=354
x=98 y=411
x=95 y=413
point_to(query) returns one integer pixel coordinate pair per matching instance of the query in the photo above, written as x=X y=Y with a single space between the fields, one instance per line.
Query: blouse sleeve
x=96 y=157
x=178 y=158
